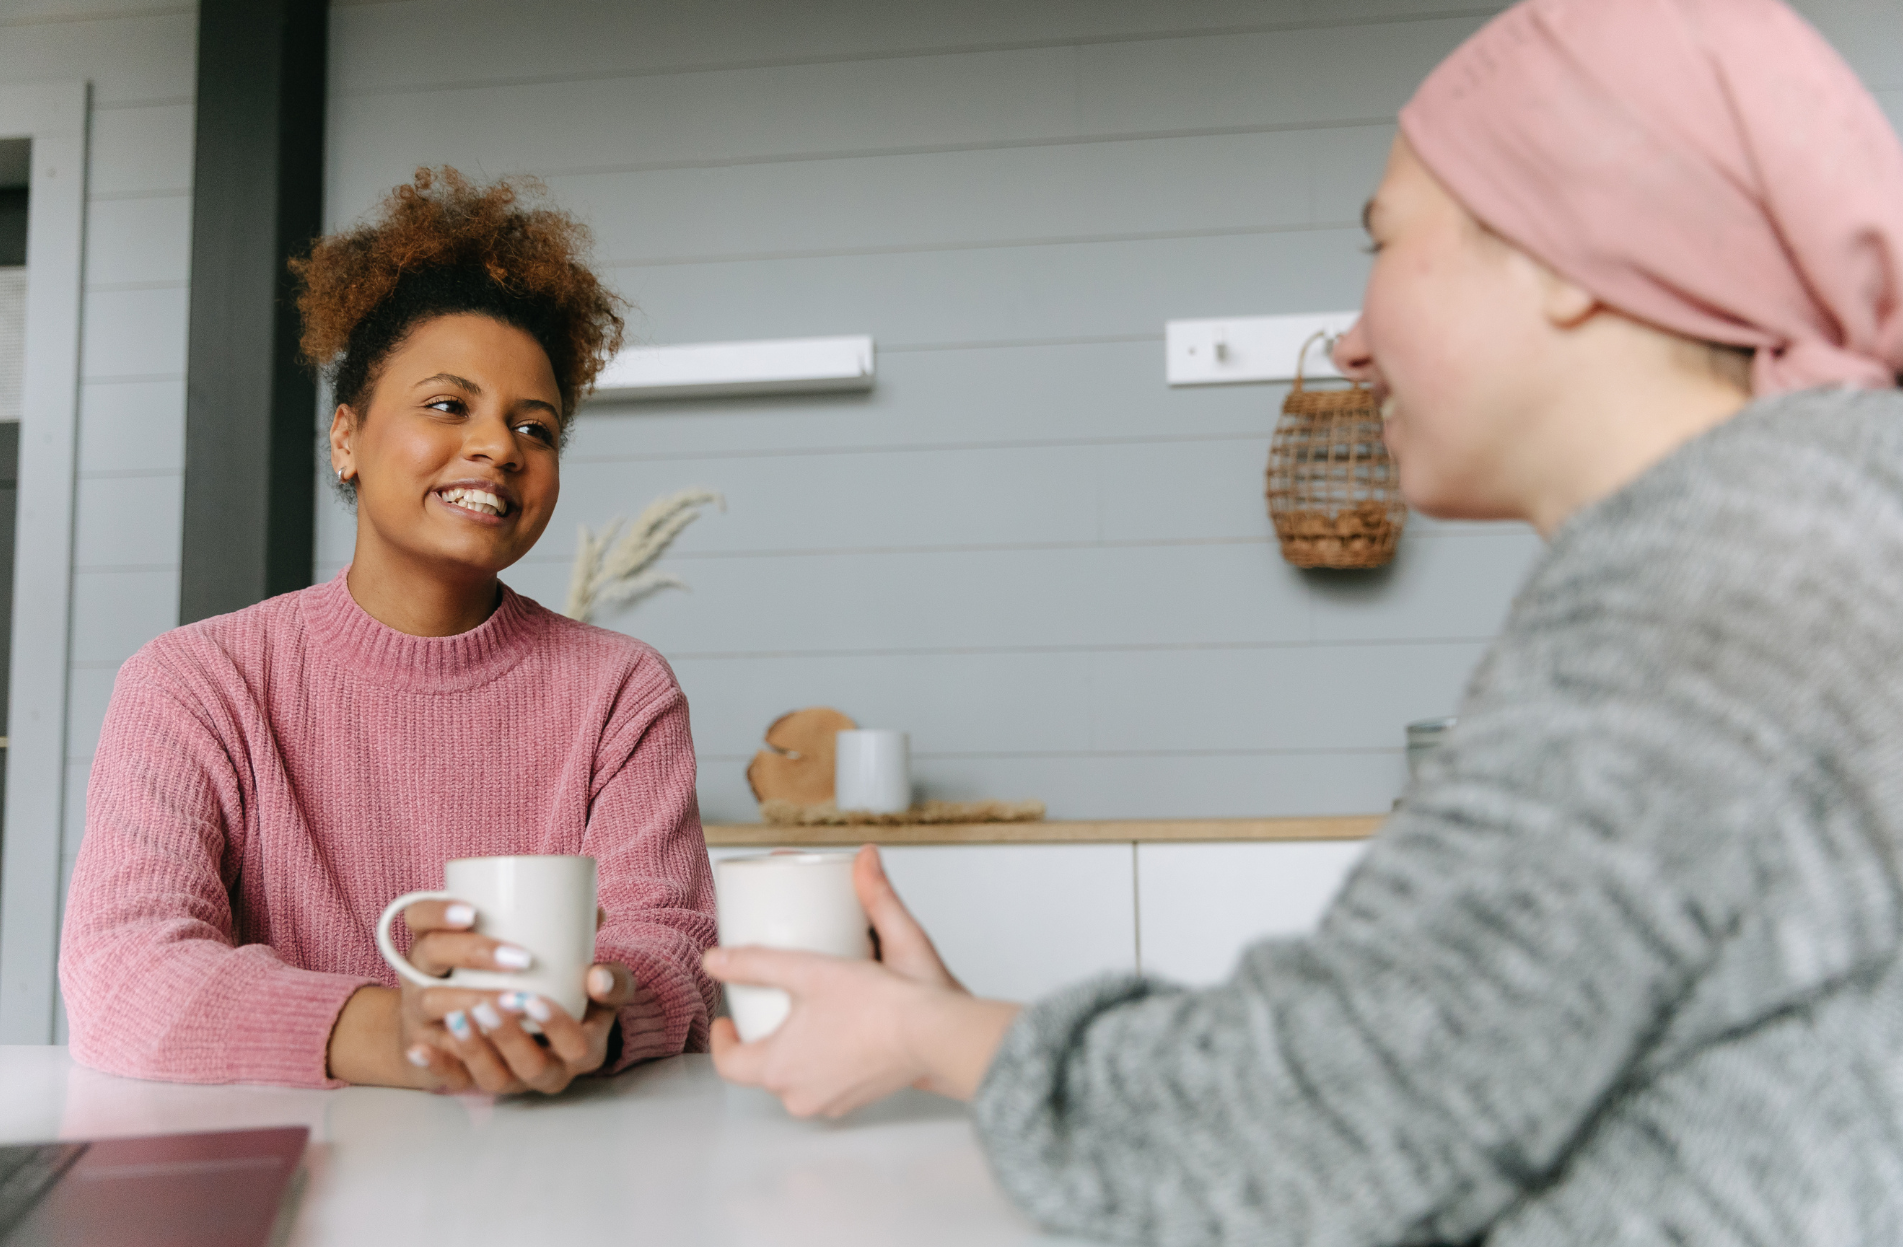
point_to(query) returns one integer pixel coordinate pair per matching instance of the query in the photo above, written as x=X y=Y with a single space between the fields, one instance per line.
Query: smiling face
x=1455 y=337
x=455 y=457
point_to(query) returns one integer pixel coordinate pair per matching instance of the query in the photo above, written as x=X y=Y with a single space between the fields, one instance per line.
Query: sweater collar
x=374 y=651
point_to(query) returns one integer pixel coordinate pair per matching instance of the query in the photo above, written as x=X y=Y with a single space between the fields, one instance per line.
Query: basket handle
x=1301 y=356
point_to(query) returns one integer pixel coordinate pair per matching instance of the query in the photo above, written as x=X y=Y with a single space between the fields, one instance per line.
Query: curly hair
x=443 y=245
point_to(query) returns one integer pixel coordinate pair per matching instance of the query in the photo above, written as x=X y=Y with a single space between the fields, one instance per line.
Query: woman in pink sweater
x=267 y=780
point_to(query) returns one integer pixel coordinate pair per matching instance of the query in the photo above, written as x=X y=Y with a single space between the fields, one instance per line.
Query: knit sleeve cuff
x=1019 y=1107
x=668 y=1014
x=284 y=1035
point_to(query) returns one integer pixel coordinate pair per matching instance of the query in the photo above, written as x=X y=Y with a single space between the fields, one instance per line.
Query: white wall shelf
x=719 y=369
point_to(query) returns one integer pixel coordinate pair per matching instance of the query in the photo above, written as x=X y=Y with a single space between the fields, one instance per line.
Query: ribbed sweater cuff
x=285 y=1035
x=667 y=1016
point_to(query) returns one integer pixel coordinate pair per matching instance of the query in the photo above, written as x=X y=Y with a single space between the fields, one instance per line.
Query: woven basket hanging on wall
x=1333 y=491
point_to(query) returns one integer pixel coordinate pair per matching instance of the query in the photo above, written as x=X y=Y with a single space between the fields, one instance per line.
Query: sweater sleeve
x=656 y=886
x=153 y=984
x=1533 y=934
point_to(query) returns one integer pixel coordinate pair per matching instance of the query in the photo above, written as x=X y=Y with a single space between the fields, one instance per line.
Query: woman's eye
x=537 y=430
x=452 y=406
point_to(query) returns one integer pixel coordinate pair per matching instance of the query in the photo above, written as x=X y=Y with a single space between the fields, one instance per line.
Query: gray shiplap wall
x=1054 y=571
x=139 y=59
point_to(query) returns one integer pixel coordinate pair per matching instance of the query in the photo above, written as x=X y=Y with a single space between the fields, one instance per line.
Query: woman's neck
x=419 y=601
x=1611 y=419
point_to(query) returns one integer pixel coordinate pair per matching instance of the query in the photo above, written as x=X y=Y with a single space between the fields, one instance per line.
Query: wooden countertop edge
x=1115 y=831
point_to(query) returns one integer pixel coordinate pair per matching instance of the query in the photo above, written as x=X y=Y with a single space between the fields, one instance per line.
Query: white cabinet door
x=1200 y=905
x=1016 y=921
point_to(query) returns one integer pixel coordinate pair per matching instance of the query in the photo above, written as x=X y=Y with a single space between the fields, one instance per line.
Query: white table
x=666 y=1153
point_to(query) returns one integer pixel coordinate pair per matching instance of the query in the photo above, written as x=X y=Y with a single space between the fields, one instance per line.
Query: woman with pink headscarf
x=1627 y=966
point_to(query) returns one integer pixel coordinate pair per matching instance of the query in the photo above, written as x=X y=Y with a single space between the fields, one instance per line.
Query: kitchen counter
x=1108 y=831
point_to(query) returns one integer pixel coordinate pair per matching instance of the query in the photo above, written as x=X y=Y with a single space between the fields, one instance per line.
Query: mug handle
x=387 y=947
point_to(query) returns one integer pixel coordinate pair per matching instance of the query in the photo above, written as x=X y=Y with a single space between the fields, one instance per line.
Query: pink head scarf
x=1708 y=166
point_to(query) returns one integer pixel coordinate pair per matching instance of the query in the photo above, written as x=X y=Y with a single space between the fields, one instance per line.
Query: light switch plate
x=1235 y=349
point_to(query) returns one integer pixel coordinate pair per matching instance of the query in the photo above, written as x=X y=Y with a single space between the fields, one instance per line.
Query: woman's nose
x=1352 y=356
x=491 y=440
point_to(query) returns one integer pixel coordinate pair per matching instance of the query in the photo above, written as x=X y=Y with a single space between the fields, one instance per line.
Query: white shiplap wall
x=1021 y=546
x=139 y=59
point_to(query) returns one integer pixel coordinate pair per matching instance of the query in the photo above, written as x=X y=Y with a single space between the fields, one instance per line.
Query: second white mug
x=802 y=901
x=872 y=771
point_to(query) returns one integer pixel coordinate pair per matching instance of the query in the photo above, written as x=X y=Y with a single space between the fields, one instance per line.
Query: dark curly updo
x=442 y=245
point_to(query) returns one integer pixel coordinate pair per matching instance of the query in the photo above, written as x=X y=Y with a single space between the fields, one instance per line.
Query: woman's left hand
x=483 y=1030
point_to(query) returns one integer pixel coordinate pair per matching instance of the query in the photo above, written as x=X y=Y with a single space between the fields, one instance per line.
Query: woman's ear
x=343 y=433
x=1565 y=303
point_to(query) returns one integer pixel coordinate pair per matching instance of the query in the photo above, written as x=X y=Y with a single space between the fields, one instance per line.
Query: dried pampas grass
x=612 y=568
x=786 y=814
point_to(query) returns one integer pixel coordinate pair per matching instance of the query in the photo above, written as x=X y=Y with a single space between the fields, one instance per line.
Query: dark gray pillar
x=250 y=407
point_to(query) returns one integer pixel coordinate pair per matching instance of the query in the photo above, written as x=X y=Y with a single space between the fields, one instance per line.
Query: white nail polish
x=509 y=957
x=537 y=1008
x=458 y=1025
x=514 y=1002
x=487 y=1017
x=600 y=980
x=460 y=915
x=418 y=1056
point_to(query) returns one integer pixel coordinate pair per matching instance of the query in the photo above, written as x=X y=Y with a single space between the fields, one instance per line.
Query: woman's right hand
x=384 y=1037
x=441 y=940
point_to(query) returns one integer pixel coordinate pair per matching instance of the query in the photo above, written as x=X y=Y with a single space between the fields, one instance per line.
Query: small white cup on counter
x=872 y=772
x=802 y=901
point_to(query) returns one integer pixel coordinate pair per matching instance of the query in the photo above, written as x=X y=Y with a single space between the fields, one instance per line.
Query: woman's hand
x=861 y=1030
x=451 y=1039
x=479 y=1036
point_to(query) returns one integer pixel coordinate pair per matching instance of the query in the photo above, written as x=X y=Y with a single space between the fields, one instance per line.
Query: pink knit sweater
x=268 y=780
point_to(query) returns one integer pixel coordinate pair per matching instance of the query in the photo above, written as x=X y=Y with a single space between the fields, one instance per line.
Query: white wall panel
x=140 y=64
x=990 y=295
x=132 y=426
x=142 y=151
x=1282 y=79
x=133 y=333
x=114 y=613
x=609 y=38
x=134 y=58
x=142 y=240
x=90 y=689
x=988 y=195
x=1200 y=905
x=128 y=521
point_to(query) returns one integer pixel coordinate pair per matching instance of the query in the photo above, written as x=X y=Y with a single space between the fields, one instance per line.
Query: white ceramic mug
x=545 y=904
x=872 y=771
x=802 y=901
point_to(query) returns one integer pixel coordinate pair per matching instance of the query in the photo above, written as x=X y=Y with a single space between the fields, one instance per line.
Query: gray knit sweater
x=1624 y=968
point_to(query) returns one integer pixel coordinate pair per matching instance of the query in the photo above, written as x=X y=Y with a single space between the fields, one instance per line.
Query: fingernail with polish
x=537 y=1008
x=509 y=957
x=418 y=1056
x=601 y=981
x=458 y=1025
x=514 y=1002
x=487 y=1017
x=460 y=915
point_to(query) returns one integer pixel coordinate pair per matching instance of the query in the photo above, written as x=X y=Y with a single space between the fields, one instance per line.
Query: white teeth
x=473 y=500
